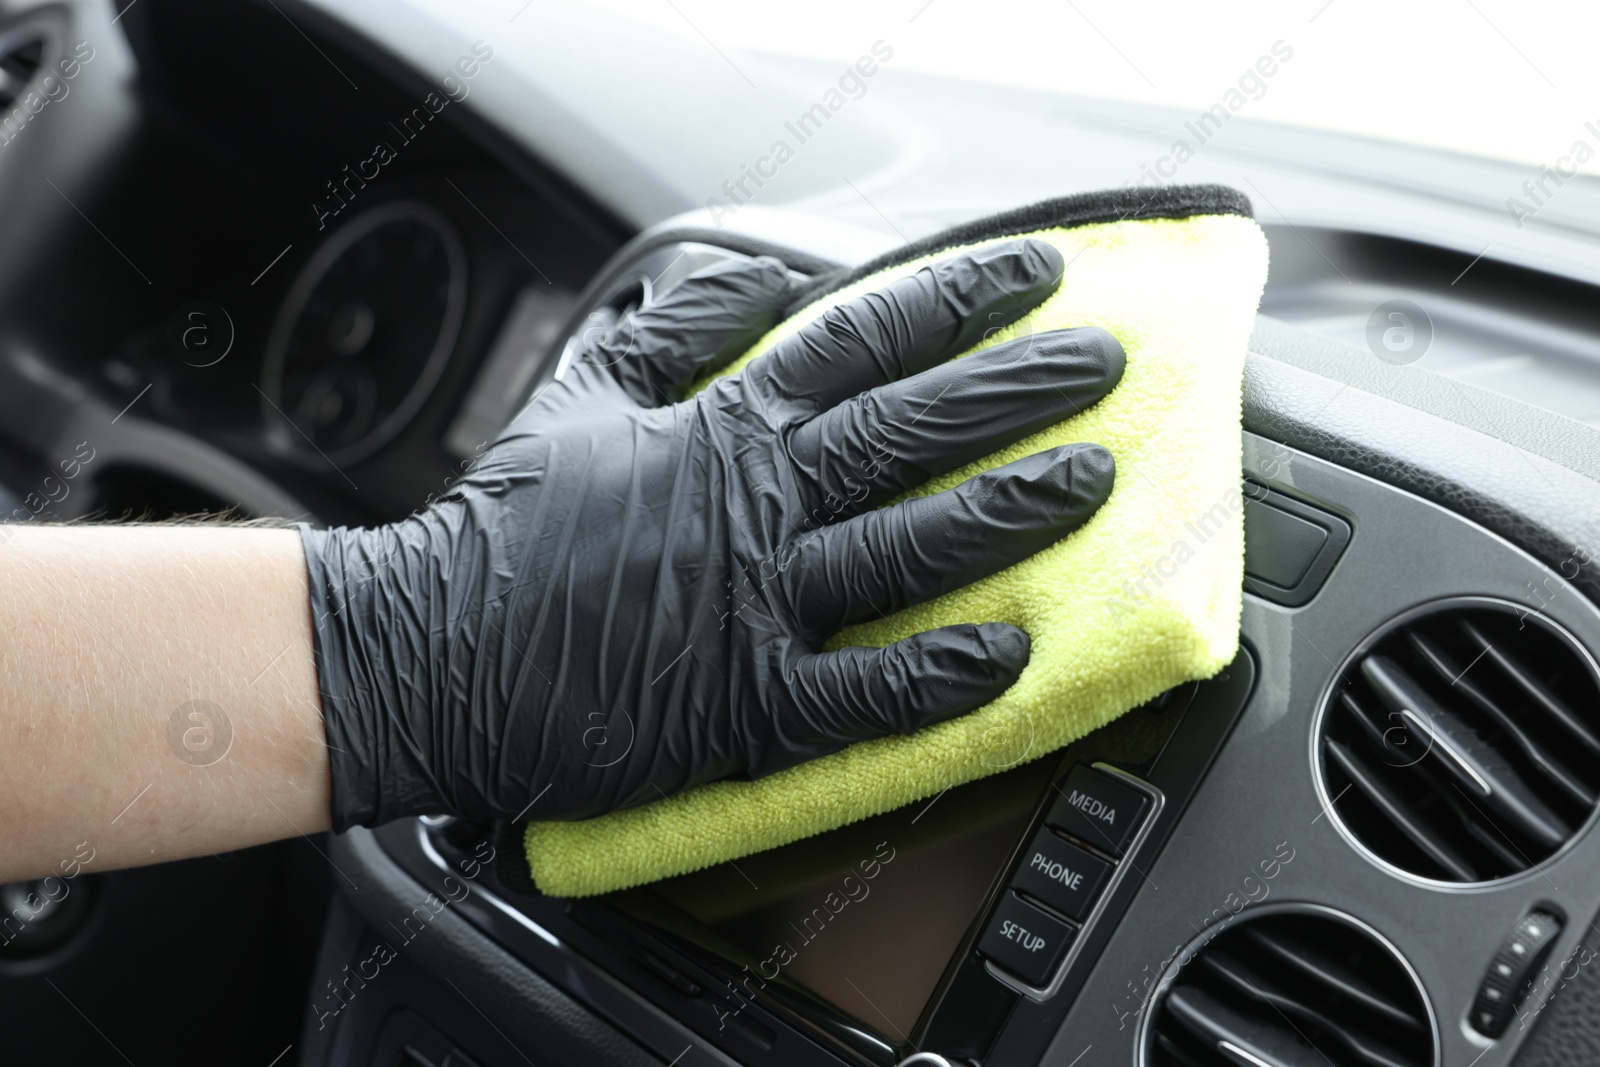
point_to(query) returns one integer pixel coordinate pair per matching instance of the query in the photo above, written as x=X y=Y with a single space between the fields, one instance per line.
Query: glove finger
x=924 y=547
x=856 y=694
x=698 y=325
x=917 y=322
x=899 y=435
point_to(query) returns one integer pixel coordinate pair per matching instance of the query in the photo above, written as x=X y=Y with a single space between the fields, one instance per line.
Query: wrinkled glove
x=628 y=596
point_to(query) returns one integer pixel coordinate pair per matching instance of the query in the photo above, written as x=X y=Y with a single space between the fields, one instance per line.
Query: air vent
x=1291 y=987
x=1462 y=743
x=20 y=57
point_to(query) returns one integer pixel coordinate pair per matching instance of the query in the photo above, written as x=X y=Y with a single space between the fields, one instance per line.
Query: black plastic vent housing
x=20 y=57
x=1291 y=986
x=1462 y=742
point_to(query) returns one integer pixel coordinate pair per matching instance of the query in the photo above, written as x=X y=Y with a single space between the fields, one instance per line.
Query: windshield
x=1476 y=76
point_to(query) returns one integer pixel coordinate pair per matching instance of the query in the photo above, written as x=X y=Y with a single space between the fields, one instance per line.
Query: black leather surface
x=1512 y=479
x=540 y=1020
x=1565 y=441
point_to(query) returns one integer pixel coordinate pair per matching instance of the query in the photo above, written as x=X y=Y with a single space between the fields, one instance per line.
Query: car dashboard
x=321 y=302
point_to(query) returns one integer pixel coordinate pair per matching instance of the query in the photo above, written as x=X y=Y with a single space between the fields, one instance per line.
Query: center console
x=1092 y=906
x=914 y=933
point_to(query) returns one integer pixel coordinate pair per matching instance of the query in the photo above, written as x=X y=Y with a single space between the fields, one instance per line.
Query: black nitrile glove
x=627 y=596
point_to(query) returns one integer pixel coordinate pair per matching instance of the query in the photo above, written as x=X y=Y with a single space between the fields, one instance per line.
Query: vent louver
x=1292 y=988
x=1462 y=744
x=20 y=58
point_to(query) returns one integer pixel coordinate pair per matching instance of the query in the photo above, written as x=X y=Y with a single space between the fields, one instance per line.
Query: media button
x=1098 y=809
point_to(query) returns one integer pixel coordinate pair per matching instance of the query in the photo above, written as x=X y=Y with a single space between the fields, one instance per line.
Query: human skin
x=158 y=695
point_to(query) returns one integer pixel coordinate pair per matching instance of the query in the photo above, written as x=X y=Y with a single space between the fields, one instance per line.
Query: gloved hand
x=628 y=596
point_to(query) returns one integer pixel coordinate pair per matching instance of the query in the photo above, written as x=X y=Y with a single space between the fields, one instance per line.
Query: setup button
x=1098 y=809
x=1062 y=875
x=1024 y=940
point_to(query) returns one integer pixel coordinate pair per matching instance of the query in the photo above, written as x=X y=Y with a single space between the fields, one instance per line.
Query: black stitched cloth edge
x=1080 y=209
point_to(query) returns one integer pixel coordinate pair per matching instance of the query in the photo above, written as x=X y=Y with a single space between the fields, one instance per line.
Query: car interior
x=1368 y=841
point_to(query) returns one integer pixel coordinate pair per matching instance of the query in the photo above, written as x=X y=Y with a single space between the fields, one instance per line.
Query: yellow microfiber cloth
x=1143 y=597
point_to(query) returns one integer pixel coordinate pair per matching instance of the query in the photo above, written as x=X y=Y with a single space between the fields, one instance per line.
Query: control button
x=1279 y=547
x=1289 y=546
x=1061 y=874
x=1508 y=979
x=1024 y=940
x=1097 y=808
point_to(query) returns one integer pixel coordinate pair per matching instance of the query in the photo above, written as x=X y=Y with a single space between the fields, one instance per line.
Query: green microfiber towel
x=1143 y=597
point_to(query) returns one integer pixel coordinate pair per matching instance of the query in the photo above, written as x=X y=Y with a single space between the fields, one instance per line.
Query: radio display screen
x=867 y=916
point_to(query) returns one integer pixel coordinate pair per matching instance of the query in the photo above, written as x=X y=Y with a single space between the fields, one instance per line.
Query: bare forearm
x=158 y=697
